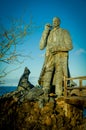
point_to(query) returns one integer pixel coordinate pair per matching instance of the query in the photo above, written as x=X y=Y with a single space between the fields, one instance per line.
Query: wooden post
x=80 y=85
x=65 y=87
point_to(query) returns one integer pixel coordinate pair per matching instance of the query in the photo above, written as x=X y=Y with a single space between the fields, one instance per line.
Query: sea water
x=7 y=89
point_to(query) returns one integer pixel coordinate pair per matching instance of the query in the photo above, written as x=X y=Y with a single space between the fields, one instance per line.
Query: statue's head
x=56 y=22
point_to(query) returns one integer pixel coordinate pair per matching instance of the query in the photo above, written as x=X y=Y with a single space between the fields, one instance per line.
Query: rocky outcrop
x=22 y=110
x=24 y=83
x=27 y=115
x=78 y=92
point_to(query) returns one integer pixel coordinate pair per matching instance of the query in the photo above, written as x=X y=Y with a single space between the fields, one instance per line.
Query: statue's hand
x=47 y=27
x=53 y=50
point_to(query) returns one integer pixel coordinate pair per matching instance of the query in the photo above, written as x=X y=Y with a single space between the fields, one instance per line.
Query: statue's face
x=56 y=22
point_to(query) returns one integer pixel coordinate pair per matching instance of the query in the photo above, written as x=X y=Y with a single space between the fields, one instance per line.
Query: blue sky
x=73 y=18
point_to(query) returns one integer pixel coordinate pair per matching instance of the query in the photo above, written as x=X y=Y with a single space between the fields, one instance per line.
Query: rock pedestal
x=27 y=115
x=20 y=110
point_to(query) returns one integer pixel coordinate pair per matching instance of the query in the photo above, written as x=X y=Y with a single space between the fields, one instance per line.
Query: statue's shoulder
x=65 y=31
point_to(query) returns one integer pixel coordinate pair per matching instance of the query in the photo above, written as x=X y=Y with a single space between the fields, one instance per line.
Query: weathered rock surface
x=20 y=110
x=78 y=92
x=24 y=83
x=16 y=114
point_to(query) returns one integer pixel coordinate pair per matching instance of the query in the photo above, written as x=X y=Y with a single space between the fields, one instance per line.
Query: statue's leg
x=47 y=81
x=60 y=72
x=41 y=77
x=40 y=80
x=58 y=81
x=48 y=75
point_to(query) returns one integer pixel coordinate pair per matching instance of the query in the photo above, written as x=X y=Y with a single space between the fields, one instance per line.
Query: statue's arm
x=67 y=41
x=43 y=41
x=66 y=44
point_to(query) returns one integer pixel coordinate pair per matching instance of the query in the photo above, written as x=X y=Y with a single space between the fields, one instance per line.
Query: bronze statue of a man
x=57 y=42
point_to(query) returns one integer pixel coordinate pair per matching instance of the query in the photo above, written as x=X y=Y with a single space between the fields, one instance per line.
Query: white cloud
x=80 y=51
